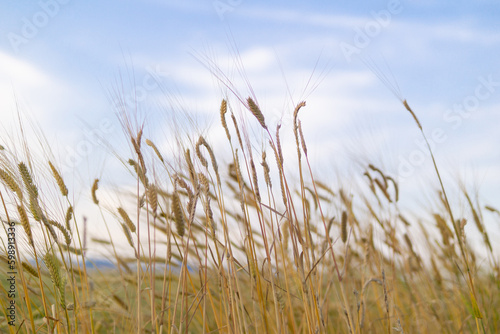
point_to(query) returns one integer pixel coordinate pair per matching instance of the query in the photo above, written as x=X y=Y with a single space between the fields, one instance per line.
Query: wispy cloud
x=28 y=83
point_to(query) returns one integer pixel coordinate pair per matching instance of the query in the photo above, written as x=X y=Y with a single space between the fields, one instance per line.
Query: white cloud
x=21 y=72
x=24 y=83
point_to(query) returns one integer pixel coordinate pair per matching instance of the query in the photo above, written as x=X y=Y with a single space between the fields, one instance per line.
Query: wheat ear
x=150 y=143
x=95 y=186
x=11 y=183
x=59 y=180
x=126 y=219
x=255 y=110
x=223 y=111
x=23 y=217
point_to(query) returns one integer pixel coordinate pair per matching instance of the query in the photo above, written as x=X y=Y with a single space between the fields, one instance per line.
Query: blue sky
x=60 y=61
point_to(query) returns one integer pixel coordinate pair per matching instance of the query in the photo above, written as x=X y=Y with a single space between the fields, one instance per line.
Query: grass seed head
x=28 y=180
x=267 y=171
x=59 y=180
x=198 y=152
x=153 y=198
x=278 y=145
x=343 y=226
x=255 y=181
x=95 y=186
x=126 y=219
x=223 y=111
x=126 y=230
x=178 y=214
x=69 y=215
x=256 y=112
x=192 y=172
x=65 y=232
x=237 y=130
x=29 y=268
x=23 y=218
x=153 y=146
x=35 y=208
x=302 y=140
x=413 y=114
x=53 y=265
x=11 y=183
x=140 y=171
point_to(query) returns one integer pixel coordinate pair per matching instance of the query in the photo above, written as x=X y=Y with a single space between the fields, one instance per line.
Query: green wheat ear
x=23 y=217
x=28 y=180
x=59 y=281
x=29 y=268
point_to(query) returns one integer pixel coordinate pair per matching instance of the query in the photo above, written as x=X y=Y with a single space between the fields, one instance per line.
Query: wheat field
x=258 y=244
